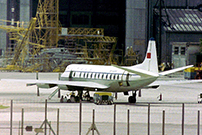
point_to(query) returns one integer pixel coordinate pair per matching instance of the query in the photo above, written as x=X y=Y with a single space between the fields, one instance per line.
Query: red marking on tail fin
x=148 y=55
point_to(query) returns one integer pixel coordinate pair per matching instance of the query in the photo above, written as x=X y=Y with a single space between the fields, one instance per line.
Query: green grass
x=3 y=107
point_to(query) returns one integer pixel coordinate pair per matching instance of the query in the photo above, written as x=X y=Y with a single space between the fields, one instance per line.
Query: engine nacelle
x=46 y=86
x=63 y=87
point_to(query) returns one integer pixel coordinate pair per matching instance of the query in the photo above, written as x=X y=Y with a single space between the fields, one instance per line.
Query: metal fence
x=87 y=118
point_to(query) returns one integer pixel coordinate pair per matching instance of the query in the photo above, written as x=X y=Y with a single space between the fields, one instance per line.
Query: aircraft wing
x=53 y=83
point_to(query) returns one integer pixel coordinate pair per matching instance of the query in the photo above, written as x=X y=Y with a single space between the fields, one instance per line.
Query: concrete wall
x=21 y=13
x=3 y=15
x=24 y=10
x=136 y=25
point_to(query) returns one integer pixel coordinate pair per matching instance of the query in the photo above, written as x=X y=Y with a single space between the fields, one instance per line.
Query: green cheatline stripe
x=3 y=107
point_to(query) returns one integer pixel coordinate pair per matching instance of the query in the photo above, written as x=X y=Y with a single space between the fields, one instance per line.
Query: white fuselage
x=118 y=80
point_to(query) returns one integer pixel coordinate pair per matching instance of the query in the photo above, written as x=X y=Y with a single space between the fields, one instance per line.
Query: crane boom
x=20 y=46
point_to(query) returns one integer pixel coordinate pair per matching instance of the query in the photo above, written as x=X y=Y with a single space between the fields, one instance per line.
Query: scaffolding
x=43 y=33
x=89 y=44
x=47 y=23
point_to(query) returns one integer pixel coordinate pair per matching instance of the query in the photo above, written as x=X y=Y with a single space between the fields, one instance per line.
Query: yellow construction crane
x=40 y=33
x=95 y=47
x=43 y=33
x=47 y=23
x=21 y=46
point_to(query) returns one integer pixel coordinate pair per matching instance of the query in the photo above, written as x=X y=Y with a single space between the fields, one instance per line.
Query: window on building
x=183 y=50
x=176 y=50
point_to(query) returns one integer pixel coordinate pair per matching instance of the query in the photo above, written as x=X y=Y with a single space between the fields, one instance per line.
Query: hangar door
x=179 y=55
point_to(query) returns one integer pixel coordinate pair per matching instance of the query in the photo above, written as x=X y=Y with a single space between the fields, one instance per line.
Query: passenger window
x=106 y=76
x=110 y=77
x=80 y=74
x=98 y=76
x=117 y=77
x=114 y=77
x=95 y=75
x=91 y=76
x=87 y=75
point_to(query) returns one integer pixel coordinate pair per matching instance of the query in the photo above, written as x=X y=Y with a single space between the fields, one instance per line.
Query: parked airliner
x=84 y=77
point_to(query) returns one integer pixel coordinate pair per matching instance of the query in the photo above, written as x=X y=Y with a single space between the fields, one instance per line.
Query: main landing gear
x=132 y=99
x=73 y=98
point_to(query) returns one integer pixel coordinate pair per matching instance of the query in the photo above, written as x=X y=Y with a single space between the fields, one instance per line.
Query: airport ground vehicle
x=73 y=98
x=103 y=97
x=200 y=98
x=69 y=98
x=64 y=99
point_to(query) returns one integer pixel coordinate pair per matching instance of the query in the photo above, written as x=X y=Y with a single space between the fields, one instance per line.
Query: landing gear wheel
x=61 y=99
x=132 y=99
x=72 y=99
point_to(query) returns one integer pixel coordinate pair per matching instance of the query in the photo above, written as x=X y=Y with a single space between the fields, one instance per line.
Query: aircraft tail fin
x=150 y=62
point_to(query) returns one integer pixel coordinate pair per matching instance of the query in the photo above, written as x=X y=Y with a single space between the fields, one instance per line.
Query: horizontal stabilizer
x=141 y=72
x=152 y=86
x=174 y=70
x=175 y=82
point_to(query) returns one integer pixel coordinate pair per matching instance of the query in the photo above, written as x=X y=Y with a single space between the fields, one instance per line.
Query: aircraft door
x=70 y=75
x=125 y=79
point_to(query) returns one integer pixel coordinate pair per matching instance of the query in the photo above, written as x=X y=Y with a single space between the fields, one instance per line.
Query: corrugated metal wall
x=180 y=3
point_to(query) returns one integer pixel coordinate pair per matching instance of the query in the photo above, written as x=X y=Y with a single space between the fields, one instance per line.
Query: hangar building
x=132 y=21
